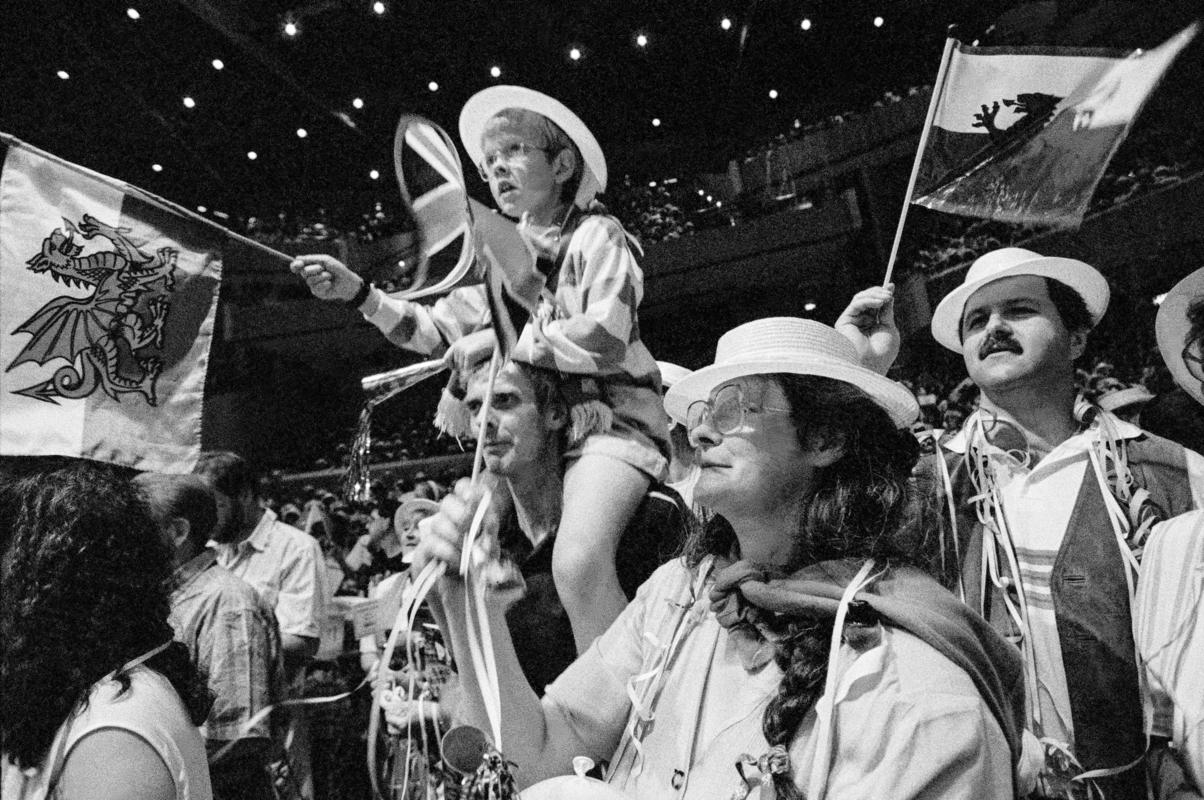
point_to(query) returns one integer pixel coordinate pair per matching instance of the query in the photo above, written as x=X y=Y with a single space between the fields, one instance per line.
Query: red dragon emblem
x=104 y=337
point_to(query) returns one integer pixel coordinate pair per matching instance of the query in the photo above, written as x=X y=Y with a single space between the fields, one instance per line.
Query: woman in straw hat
x=727 y=676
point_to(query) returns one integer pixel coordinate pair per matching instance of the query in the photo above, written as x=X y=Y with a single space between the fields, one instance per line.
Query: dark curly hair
x=84 y=589
x=866 y=505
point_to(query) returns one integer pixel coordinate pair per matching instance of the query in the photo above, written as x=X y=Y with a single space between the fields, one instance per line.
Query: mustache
x=996 y=343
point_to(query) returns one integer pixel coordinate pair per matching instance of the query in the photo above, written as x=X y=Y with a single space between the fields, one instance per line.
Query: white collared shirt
x=287 y=568
x=1038 y=504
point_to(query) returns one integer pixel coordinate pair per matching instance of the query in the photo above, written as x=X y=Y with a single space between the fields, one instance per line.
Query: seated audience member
x=230 y=633
x=525 y=447
x=99 y=702
x=1169 y=618
x=718 y=680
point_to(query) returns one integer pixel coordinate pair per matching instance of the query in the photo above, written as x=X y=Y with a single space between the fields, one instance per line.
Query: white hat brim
x=1171 y=328
x=487 y=103
x=894 y=398
x=1083 y=278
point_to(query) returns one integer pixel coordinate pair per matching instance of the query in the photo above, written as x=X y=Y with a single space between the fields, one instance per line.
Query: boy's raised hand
x=869 y=323
x=470 y=350
x=327 y=277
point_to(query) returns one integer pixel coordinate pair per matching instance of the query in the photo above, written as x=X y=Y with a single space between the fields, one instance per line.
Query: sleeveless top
x=150 y=709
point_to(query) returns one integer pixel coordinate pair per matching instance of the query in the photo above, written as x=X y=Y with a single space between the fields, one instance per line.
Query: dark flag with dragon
x=1024 y=134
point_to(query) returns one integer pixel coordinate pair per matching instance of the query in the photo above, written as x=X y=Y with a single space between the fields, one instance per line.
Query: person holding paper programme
x=544 y=168
x=726 y=677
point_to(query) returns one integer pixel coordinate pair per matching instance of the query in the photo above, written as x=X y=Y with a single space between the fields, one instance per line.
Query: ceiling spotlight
x=374 y=174
x=378 y=8
x=701 y=192
x=809 y=305
x=132 y=13
x=656 y=122
x=641 y=40
x=290 y=28
x=252 y=155
x=725 y=23
x=434 y=87
x=189 y=102
x=718 y=204
x=878 y=21
x=357 y=103
x=201 y=209
x=62 y=73
x=575 y=54
x=651 y=184
x=302 y=133
x=218 y=64
x=495 y=71
x=805 y=24
x=157 y=167
x=773 y=94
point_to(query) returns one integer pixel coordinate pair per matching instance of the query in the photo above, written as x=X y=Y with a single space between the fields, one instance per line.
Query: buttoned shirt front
x=286 y=567
x=1168 y=625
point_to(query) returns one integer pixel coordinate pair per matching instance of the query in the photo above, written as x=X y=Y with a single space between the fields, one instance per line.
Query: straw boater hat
x=1009 y=262
x=1172 y=326
x=793 y=346
x=486 y=104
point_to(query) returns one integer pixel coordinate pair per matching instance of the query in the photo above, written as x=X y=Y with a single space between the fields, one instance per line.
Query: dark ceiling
x=122 y=108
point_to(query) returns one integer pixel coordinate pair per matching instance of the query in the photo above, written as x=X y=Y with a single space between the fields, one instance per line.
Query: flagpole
x=142 y=194
x=937 y=89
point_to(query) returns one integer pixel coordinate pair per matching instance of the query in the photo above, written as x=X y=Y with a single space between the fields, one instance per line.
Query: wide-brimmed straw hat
x=1172 y=326
x=487 y=103
x=793 y=346
x=1009 y=262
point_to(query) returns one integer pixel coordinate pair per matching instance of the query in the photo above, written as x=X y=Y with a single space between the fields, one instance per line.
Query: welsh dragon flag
x=1023 y=134
x=107 y=302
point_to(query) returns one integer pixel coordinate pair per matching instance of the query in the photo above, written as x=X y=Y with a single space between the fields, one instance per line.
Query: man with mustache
x=1052 y=499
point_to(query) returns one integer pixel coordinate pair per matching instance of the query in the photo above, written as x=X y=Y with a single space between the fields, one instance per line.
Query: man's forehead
x=509 y=378
x=1014 y=287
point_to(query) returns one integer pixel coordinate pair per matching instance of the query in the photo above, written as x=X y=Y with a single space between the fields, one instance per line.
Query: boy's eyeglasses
x=1193 y=360
x=725 y=412
x=507 y=154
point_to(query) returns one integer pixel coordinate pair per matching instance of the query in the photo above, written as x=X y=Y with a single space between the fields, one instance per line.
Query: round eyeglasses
x=725 y=412
x=507 y=154
x=1193 y=360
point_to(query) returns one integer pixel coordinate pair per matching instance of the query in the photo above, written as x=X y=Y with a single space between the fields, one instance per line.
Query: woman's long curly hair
x=84 y=589
x=866 y=505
